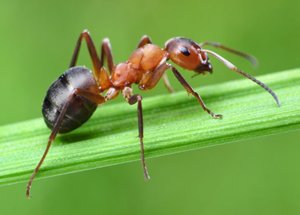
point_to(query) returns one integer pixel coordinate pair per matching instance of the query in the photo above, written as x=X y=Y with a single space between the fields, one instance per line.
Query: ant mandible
x=74 y=96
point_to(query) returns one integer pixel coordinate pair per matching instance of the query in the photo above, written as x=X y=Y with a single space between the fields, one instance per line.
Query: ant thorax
x=147 y=58
x=141 y=61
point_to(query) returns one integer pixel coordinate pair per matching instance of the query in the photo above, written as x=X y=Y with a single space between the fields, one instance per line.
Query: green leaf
x=173 y=123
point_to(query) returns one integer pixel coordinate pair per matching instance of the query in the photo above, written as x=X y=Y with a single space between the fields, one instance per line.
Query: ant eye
x=184 y=51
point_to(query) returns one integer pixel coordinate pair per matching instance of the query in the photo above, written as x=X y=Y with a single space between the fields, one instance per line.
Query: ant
x=74 y=96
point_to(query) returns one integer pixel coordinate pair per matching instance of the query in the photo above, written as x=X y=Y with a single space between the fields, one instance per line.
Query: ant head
x=187 y=54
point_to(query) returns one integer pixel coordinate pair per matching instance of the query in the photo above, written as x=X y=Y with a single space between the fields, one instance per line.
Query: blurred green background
x=258 y=176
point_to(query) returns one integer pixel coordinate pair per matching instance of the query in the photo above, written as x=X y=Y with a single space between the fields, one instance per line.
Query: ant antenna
x=232 y=67
x=244 y=55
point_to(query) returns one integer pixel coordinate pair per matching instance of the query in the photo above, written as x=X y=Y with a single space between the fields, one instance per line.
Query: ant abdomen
x=80 y=109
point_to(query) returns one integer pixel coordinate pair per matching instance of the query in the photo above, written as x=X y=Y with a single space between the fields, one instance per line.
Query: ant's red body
x=72 y=99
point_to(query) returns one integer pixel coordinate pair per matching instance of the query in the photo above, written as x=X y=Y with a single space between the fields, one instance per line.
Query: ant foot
x=216 y=116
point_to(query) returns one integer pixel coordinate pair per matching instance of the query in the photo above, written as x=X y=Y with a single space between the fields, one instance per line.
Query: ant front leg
x=133 y=99
x=147 y=40
x=189 y=89
x=150 y=79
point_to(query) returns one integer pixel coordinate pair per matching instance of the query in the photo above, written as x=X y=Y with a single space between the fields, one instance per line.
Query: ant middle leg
x=167 y=83
x=133 y=99
x=106 y=52
x=144 y=41
x=189 y=89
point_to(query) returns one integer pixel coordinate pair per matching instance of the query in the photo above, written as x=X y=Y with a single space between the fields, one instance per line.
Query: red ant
x=75 y=95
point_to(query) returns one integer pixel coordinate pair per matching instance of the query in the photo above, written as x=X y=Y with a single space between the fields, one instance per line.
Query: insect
x=75 y=95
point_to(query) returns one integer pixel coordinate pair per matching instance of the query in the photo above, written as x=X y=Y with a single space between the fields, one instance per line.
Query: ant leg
x=132 y=99
x=138 y=99
x=106 y=51
x=248 y=57
x=147 y=40
x=189 y=89
x=144 y=41
x=167 y=83
x=97 y=64
x=99 y=72
x=149 y=80
x=50 y=140
x=95 y=98
x=92 y=50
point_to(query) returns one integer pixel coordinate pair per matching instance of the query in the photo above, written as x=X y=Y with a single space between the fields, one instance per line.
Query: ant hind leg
x=50 y=140
x=90 y=96
x=92 y=51
x=99 y=72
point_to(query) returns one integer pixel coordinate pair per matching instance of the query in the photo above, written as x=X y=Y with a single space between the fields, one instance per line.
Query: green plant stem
x=172 y=123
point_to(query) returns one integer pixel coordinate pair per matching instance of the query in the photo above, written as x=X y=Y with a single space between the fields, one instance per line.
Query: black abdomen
x=80 y=109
